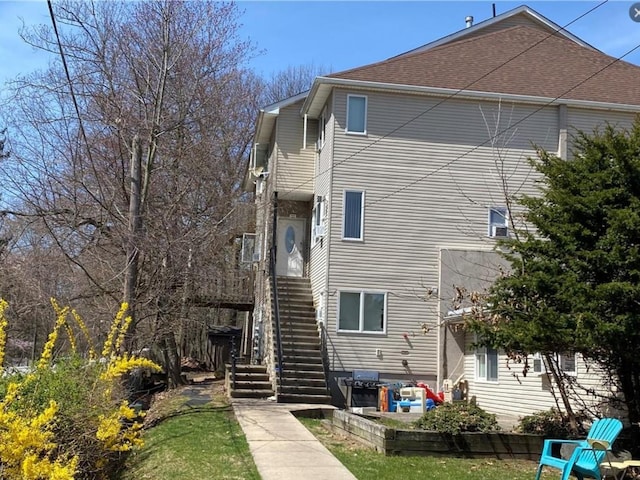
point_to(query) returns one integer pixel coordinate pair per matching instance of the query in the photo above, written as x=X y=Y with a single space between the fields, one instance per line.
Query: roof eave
x=312 y=107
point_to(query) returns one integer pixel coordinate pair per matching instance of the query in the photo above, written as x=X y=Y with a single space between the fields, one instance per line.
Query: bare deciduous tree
x=132 y=217
x=291 y=81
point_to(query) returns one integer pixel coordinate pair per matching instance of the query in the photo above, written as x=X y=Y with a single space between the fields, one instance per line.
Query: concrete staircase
x=252 y=381
x=303 y=375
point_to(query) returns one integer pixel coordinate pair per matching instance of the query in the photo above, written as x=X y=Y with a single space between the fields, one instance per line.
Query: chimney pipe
x=469 y=21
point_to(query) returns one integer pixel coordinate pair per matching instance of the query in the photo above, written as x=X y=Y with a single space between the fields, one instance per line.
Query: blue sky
x=344 y=35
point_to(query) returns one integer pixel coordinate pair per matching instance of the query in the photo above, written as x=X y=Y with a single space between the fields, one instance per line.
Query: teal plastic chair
x=589 y=453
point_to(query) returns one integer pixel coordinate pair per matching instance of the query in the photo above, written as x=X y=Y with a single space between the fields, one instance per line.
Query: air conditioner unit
x=319 y=231
x=256 y=257
x=497 y=231
x=259 y=185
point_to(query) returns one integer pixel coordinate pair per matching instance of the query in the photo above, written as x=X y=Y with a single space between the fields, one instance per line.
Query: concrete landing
x=283 y=448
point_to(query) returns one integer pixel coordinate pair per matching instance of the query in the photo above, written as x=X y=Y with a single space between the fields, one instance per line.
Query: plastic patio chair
x=589 y=453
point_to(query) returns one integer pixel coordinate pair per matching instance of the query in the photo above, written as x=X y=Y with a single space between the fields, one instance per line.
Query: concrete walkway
x=283 y=448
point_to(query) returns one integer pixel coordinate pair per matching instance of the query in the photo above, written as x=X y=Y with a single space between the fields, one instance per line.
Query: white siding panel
x=322 y=180
x=429 y=171
x=587 y=121
x=295 y=167
x=519 y=395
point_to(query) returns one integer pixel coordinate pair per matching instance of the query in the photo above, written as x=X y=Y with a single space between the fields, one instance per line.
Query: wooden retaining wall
x=391 y=441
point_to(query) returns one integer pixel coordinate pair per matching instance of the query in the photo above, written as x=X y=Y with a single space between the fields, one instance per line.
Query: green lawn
x=205 y=441
x=367 y=464
x=192 y=443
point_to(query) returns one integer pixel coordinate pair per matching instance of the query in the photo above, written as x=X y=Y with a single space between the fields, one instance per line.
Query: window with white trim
x=356 y=114
x=250 y=248
x=486 y=364
x=322 y=127
x=566 y=363
x=537 y=364
x=353 y=215
x=362 y=311
x=498 y=226
x=318 y=223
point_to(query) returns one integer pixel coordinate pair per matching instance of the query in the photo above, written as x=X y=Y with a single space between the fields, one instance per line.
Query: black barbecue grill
x=362 y=388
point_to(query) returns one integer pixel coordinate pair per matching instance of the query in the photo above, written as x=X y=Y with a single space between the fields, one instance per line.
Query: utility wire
x=68 y=75
x=440 y=102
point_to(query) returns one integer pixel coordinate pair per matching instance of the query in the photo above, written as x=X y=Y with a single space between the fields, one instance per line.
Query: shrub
x=550 y=423
x=70 y=420
x=455 y=418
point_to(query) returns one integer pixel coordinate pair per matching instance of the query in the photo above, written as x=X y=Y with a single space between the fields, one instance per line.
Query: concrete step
x=252 y=377
x=299 y=351
x=299 y=325
x=308 y=344
x=295 y=299
x=286 y=390
x=293 y=281
x=304 y=382
x=244 y=385
x=303 y=364
x=302 y=371
x=301 y=330
x=249 y=369
x=299 y=398
x=251 y=393
x=312 y=357
x=299 y=339
x=295 y=317
x=296 y=310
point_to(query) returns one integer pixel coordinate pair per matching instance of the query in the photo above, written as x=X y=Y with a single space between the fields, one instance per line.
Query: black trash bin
x=224 y=335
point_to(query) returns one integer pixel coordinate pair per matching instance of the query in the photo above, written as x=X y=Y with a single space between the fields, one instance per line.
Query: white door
x=289 y=260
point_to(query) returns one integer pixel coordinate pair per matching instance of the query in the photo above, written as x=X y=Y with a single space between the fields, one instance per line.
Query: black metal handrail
x=276 y=312
x=274 y=285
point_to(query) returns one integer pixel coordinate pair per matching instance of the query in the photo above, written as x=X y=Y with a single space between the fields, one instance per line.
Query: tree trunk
x=557 y=378
x=134 y=227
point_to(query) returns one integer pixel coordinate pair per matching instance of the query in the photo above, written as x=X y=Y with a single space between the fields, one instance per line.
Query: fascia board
x=467 y=94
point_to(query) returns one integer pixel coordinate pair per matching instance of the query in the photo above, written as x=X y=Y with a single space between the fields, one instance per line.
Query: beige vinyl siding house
x=515 y=394
x=294 y=160
x=402 y=188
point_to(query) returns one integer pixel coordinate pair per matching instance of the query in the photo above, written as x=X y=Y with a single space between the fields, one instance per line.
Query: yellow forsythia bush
x=70 y=420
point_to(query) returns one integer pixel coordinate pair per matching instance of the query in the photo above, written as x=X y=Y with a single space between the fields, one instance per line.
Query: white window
x=250 y=251
x=322 y=127
x=498 y=226
x=566 y=363
x=356 y=114
x=537 y=364
x=318 y=225
x=353 y=215
x=362 y=311
x=486 y=364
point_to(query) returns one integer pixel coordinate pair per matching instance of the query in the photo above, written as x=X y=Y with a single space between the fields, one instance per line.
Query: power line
x=68 y=75
x=449 y=97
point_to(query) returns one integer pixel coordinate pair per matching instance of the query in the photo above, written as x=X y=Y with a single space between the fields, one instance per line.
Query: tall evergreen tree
x=575 y=279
